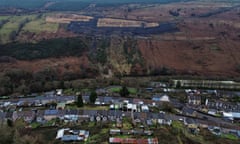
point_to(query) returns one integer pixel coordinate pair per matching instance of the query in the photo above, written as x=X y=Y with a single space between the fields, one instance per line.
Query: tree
x=62 y=84
x=178 y=84
x=93 y=97
x=79 y=101
x=9 y=123
x=124 y=91
x=167 y=107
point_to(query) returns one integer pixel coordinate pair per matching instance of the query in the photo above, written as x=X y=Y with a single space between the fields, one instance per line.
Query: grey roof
x=86 y=98
x=51 y=112
x=103 y=112
x=90 y=112
x=40 y=113
x=70 y=138
x=116 y=113
x=194 y=97
x=190 y=121
x=2 y=115
x=9 y=115
x=187 y=110
x=71 y=112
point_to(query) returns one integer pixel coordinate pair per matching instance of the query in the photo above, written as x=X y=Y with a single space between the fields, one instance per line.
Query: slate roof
x=71 y=112
x=187 y=110
x=51 y=112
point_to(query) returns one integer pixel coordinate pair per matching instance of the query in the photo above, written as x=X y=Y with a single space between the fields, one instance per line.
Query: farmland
x=13 y=27
x=39 y=25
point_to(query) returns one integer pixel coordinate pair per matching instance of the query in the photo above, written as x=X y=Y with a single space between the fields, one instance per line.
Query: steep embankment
x=186 y=58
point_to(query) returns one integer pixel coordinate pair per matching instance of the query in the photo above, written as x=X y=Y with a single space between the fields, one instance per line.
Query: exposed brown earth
x=67 y=18
x=110 y=22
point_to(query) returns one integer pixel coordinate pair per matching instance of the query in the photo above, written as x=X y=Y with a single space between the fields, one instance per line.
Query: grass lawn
x=12 y=25
x=4 y=17
x=39 y=25
x=35 y=125
x=177 y=125
x=132 y=90
x=116 y=89
x=230 y=136
x=34 y=24
x=69 y=91
x=127 y=123
x=74 y=91
x=6 y=30
x=87 y=107
x=49 y=123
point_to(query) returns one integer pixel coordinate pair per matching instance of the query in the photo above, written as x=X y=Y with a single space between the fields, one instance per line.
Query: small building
x=232 y=115
x=212 y=112
x=161 y=119
x=2 y=116
x=61 y=105
x=161 y=98
x=145 y=108
x=86 y=99
x=215 y=130
x=67 y=135
x=189 y=112
x=59 y=92
x=9 y=115
x=114 y=131
x=40 y=116
x=129 y=107
x=27 y=116
x=193 y=128
x=194 y=99
x=71 y=115
x=50 y=114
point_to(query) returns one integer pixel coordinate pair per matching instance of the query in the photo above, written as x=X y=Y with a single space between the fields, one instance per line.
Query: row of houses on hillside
x=222 y=105
x=107 y=100
x=42 y=116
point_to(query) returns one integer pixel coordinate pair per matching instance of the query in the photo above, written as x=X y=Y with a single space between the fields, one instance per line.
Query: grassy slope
x=35 y=25
x=39 y=25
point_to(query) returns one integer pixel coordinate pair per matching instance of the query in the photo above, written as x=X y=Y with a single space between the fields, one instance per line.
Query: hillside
x=194 y=38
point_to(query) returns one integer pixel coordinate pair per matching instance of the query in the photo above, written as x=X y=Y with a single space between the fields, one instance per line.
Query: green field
x=116 y=89
x=4 y=17
x=230 y=136
x=39 y=25
x=11 y=26
x=87 y=107
x=24 y=23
